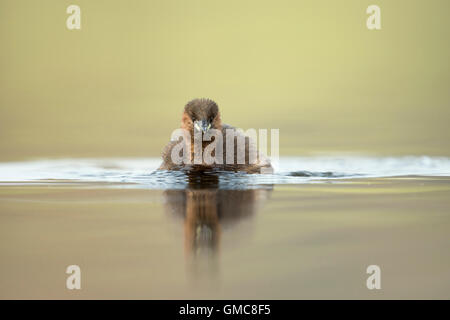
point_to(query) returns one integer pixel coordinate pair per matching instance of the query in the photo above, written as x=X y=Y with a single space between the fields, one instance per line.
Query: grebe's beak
x=202 y=125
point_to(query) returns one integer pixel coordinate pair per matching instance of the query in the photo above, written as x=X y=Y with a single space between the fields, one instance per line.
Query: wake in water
x=142 y=173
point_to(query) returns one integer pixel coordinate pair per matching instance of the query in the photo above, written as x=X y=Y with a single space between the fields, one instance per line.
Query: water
x=309 y=230
x=141 y=173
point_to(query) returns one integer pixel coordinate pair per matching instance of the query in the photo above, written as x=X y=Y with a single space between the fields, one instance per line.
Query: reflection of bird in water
x=202 y=115
x=206 y=210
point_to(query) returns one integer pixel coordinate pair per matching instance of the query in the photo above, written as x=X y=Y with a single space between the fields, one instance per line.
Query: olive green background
x=310 y=68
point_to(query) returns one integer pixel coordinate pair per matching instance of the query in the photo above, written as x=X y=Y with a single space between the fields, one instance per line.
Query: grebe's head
x=201 y=115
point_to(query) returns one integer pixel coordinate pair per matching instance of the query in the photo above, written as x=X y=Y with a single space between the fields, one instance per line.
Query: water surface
x=308 y=231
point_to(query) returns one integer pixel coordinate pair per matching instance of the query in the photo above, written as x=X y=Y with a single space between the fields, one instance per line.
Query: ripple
x=142 y=173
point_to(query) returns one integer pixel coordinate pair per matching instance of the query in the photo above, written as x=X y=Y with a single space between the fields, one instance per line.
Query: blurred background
x=116 y=88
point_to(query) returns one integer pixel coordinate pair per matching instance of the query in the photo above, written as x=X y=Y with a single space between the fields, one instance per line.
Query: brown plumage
x=203 y=115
